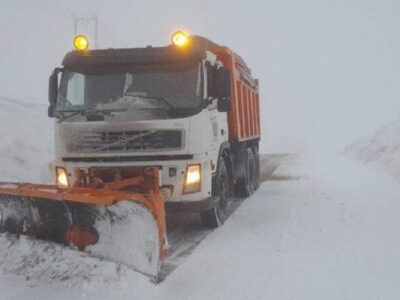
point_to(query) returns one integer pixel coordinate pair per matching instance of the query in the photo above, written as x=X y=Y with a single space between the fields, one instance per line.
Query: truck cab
x=190 y=109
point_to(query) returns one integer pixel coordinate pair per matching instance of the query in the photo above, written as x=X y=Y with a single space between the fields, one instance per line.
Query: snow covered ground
x=320 y=228
x=382 y=149
x=26 y=141
x=332 y=233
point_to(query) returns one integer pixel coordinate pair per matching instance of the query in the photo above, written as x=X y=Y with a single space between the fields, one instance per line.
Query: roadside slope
x=26 y=141
x=381 y=148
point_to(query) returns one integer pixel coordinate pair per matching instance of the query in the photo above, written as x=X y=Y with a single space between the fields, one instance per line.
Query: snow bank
x=26 y=141
x=382 y=148
x=49 y=262
x=58 y=269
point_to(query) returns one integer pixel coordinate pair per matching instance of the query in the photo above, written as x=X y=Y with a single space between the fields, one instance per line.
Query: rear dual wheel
x=250 y=173
x=257 y=169
x=248 y=184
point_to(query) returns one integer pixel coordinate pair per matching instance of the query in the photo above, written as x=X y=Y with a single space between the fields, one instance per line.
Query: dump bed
x=244 y=118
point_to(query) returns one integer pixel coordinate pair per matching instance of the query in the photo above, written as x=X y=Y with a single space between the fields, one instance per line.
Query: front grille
x=127 y=141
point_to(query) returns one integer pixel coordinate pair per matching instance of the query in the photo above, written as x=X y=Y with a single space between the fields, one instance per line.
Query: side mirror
x=223 y=83
x=53 y=91
x=224 y=105
x=211 y=84
x=218 y=82
x=223 y=89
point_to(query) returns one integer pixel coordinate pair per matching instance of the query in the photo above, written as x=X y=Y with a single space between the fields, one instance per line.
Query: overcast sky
x=329 y=70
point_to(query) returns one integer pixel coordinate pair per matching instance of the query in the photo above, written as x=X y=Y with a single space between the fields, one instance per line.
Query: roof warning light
x=180 y=39
x=81 y=42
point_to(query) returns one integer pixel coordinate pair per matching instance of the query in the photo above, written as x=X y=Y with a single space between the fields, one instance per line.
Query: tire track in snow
x=185 y=231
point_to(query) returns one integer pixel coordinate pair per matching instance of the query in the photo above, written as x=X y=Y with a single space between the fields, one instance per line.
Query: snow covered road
x=331 y=232
x=186 y=231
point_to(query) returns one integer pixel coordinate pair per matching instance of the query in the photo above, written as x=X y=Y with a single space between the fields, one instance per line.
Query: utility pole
x=206 y=17
x=96 y=32
x=75 y=25
x=93 y=19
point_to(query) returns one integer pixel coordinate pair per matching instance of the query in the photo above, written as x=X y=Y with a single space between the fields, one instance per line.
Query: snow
x=318 y=237
x=26 y=135
x=320 y=228
x=330 y=232
x=382 y=149
x=50 y=270
x=129 y=235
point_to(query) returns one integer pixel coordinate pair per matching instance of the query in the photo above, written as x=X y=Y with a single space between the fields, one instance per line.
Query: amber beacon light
x=180 y=39
x=81 y=42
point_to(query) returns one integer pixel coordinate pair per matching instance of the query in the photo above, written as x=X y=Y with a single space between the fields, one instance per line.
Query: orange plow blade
x=123 y=222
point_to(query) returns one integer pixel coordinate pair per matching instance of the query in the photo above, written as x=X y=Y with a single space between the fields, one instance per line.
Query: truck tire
x=251 y=172
x=247 y=184
x=216 y=217
x=257 y=169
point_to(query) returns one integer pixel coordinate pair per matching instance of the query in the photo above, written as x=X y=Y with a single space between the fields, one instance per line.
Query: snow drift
x=382 y=148
x=26 y=141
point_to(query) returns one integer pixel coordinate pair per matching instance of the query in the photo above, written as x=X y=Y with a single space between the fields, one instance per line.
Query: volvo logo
x=123 y=140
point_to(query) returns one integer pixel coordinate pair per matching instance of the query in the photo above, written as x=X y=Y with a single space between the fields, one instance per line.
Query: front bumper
x=176 y=180
x=191 y=206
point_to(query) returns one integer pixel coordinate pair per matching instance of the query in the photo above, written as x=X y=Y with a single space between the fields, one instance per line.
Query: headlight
x=61 y=177
x=192 y=179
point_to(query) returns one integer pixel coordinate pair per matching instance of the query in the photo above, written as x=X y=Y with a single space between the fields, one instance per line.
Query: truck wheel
x=251 y=173
x=246 y=185
x=257 y=169
x=216 y=217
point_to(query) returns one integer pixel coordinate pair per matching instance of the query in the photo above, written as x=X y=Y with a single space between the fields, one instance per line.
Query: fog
x=329 y=71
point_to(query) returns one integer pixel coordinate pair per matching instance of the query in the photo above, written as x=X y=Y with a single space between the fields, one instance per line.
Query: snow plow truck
x=140 y=133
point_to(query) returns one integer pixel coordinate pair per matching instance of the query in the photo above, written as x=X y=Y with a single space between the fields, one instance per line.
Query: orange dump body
x=244 y=118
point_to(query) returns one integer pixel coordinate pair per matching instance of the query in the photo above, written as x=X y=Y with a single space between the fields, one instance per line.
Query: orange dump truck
x=139 y=132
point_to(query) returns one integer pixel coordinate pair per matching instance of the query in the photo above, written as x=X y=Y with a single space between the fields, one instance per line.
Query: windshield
x=137 y=92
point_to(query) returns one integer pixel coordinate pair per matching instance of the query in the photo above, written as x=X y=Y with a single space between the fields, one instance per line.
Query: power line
x=45 y=8
x=111 y=34
x=96 y=29
x=56 y=6
x=63 y=12
x=206 y=16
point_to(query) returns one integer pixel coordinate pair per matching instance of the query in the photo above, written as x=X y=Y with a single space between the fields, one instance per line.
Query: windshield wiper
x=104 y=112
x=161 y=99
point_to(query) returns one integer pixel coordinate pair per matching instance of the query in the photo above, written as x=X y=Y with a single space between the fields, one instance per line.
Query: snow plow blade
x=123 y=221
